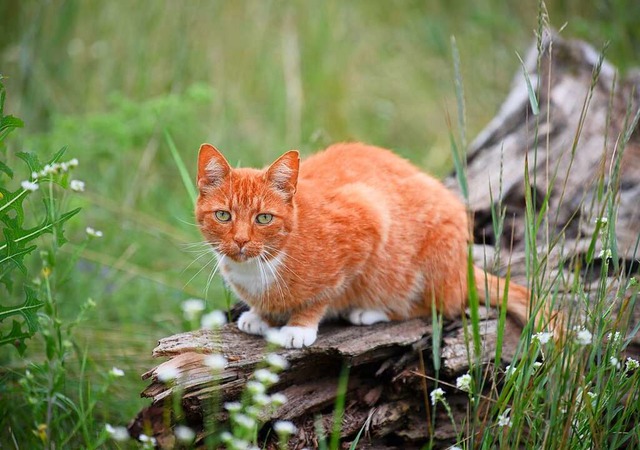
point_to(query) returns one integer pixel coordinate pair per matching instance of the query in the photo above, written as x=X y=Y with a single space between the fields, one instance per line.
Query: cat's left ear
x=212 y=167
x=283 y=174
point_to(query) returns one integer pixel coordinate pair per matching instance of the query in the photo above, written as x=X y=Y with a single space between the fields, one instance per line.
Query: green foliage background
x=255 y=78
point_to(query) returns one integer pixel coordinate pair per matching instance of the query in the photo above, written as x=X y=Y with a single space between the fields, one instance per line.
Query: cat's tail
x=493 y=287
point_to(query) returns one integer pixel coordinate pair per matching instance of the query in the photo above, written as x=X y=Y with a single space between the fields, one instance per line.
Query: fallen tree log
x=586 y=118
x=385 y=367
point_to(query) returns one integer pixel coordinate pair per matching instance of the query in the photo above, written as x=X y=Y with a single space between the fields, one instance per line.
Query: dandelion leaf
x=28 y=312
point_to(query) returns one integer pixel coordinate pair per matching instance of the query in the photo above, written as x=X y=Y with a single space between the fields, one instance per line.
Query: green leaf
x=28 y=311
x=6 y=169
x=10 y=122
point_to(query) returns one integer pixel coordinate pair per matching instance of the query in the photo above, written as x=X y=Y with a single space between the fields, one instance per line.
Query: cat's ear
x=283 y=174
x=212 y=167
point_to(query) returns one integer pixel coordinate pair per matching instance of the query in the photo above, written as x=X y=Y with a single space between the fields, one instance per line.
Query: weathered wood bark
x=584 y=128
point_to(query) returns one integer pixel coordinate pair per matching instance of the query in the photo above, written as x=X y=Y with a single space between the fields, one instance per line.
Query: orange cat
x=353 y=231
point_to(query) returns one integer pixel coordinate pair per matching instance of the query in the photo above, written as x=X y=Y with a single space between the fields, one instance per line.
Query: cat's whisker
x=275 y=270
x=202 y=253
x=283 y=262
x=273 y=252
x=186 y=222
x=278 y=278
x=195 y=247
x=279 y=282
x=213 y=273
x=282 y=252
x=213 y=258
x=195 y=244
x=264 y=286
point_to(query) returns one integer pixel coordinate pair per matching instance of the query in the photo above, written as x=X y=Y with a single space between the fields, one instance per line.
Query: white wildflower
x=215 y=361
x=192 y=307
x=76 y=185
x=601 y=220
x=615 y=362
x=464 y=382
x=225 y=436
x=255 y=387
x=594 y=398
x=605 y=254
x=509 y=371
x=615 y=338
x=284 y=427
x=233 y=406
x=73 y=162
x=244 y=421
x=49 y=169
x=115 y=372
x=29 y=185
x=35 y=175
x=504 y=420
x=543 y=337
x=253 y=410
x=276 y=361
x=261 y=399
x=239 y=444
x=632 y=364
x=119 y=434
x=147 y=439
x=266 y=376
x=278 y=399
x=214 y=319
x=437 y=395
x=184 y=434
x=273 y=336
x=167 y=373
x=584 y=336
x=454 y=447
x=93 y=233
x=536 y=365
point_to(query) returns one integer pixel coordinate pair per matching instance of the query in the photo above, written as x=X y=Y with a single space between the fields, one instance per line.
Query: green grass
x=256 y=78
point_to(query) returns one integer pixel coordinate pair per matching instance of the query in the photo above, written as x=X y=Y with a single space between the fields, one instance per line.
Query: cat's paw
x=252 y=323
x=366 y=316
x=293 y=337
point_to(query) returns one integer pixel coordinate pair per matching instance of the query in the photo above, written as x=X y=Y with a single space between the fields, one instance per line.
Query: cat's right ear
x=213 y=168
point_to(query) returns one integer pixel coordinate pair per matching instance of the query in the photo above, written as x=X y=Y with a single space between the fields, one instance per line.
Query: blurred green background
x=255 y=78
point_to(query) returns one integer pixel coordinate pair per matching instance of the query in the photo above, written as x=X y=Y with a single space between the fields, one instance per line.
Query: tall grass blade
x=533 y=99
x=182 y=169
x=338 y=410
x=459 y=88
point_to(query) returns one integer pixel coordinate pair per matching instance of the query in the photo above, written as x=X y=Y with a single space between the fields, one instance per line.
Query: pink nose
x=240 y=240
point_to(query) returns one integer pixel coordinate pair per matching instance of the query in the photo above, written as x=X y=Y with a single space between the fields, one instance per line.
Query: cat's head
x=245 y=213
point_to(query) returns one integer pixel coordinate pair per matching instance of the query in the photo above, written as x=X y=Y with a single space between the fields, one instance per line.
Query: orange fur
x=355 y=228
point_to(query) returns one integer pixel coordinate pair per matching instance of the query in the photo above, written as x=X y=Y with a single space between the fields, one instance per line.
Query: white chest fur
x=254 y=276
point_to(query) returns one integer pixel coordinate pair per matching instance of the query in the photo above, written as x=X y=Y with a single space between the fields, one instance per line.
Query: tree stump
x=587 y=123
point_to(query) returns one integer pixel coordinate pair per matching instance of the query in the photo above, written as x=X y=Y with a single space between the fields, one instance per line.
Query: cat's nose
x=240 y=241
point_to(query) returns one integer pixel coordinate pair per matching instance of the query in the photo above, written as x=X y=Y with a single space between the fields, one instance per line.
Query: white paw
x=366 y=316
x=252 y=323
x=293 y=337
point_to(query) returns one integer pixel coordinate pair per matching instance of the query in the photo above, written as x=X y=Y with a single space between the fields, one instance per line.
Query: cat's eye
x=264 y=218
x=223 y=216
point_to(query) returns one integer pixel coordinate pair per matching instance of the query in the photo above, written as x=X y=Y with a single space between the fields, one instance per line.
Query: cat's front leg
x=301 y=329
x=250 y=322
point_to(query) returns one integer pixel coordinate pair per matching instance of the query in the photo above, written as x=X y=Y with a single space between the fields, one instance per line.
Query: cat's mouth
x=242 y=255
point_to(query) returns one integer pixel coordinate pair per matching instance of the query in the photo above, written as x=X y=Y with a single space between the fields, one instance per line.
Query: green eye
x=223 y=216
x=264 y=218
